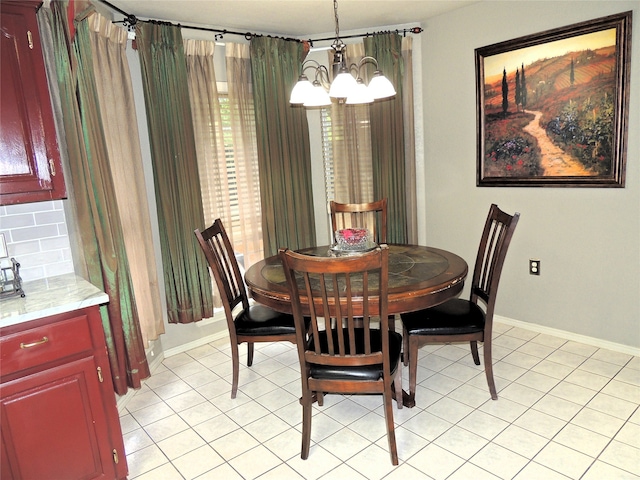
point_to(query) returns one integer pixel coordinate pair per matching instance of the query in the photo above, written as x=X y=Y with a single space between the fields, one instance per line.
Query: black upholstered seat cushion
x=261 y=320
x=453 y=317
x=368 y=372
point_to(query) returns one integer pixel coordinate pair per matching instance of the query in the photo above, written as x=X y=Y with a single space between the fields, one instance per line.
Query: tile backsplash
x=37 y=237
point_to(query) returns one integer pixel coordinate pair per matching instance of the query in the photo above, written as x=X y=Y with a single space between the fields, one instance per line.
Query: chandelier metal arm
x=357 y=67
x=321 y=73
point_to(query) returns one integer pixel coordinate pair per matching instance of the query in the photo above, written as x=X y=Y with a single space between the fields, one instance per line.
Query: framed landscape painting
x=553 y=107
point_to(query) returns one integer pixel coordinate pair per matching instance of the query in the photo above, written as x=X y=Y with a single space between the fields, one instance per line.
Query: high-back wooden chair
x=372 y=215
x=458 y=319
x=252 y=323
x=348 y=347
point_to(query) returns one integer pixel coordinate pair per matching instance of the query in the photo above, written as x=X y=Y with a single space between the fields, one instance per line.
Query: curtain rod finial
x=131 y=20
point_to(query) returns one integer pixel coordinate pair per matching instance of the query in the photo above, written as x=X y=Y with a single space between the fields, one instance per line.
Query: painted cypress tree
x=523 y=88
x=572 y=77
x=505 y=93
x=518 y=89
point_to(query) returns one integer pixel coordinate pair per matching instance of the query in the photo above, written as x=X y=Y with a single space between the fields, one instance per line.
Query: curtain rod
x=130 y=21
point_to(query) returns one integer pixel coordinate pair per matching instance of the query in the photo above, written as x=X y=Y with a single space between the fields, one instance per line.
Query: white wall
x=588 y=239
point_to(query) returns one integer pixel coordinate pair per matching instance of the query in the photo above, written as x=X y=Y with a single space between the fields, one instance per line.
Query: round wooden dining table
x=419 y=277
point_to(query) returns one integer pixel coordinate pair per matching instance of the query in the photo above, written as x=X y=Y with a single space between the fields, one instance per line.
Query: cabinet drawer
x=38 y=346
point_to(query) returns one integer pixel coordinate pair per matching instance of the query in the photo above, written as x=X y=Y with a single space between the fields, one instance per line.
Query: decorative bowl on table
x=353 y=240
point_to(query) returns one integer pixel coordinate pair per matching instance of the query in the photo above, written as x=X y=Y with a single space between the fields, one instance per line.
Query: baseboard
x=596 y=342
x=157 y=360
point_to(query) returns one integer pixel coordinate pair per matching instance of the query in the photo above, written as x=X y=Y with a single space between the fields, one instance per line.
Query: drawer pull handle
x=34 y=344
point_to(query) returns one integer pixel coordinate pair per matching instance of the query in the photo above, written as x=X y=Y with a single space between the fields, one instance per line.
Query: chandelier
x=347 y=86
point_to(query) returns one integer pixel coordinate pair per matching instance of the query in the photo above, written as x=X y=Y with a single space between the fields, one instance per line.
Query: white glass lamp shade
x=301 y=91
x=342 y=85
x=317 y=97
x=380 y=86
x=361 y=94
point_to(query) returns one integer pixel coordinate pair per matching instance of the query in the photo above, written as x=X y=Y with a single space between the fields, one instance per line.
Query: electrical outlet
x=534 y=266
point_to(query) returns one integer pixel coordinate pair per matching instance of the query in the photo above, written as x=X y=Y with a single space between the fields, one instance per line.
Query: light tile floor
x=565 y=411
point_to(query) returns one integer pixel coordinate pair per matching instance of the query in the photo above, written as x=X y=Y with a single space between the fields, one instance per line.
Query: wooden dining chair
x=349 y=348
x=372 y=215
x=253 y=323
x=458 y=319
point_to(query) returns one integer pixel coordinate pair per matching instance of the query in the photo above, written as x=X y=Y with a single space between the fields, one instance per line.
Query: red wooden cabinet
x=30 y=166
x=58 y=414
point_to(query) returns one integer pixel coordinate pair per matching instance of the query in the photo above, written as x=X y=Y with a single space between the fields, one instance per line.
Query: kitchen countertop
x=50 y=296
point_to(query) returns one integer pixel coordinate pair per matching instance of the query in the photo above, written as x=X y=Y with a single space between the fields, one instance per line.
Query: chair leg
x=405 y=346
x=235 y=363
x=249 y=354
x=397 y=385
x=306 y=424
x=488 y=369
x=391 y=434
x=474 y=352
x=315 y=397
x=413 y=370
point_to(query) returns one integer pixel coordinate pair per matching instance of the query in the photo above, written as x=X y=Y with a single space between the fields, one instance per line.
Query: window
x=327 y=153
x=244 y=226
x=346 y=150
x=229 y=153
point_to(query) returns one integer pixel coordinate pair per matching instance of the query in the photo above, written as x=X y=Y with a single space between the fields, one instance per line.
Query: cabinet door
x=30 y=167
x=53 y=425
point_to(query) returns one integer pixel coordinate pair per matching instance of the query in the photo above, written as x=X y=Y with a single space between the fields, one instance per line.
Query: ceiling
x=290 y=18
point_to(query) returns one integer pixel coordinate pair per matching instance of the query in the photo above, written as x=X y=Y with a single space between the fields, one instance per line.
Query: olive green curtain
x=409 y=141
x=387 y=135
x=284 y=156
x=98 y=217
x=188 y=285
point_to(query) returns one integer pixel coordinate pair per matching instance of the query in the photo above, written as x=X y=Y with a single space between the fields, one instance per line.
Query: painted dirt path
x=554 y=161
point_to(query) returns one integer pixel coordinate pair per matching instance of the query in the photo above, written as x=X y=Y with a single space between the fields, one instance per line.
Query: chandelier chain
x=335 y=13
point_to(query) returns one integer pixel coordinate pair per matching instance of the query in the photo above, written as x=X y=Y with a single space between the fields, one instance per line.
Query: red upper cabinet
x=30 y=166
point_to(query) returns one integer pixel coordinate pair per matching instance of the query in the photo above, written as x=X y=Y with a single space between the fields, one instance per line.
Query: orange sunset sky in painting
x=495 y=64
